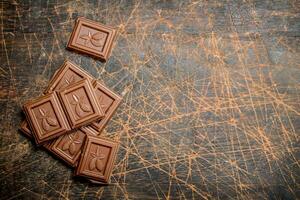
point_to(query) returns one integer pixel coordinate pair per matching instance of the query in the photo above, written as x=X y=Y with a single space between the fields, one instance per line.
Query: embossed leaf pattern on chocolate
x=70 y=144
x=67 y=81
x=47 y=121
x=103 y=106
x=96 y=161
x=80 y=106
x=96 y=39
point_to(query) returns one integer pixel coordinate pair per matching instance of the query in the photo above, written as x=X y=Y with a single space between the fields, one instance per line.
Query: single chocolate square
x=109 y=102
x=46 y=118
x=67 y=74
x=98 y=159
x=80 y=104
x=68 y=147
x=92 y=38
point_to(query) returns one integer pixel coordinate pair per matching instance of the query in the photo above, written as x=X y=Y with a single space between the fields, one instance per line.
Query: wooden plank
x=210 y=98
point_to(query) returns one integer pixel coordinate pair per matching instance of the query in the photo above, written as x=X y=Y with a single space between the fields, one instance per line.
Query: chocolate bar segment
x=68 y=146
x=46 y=118
x=98 y=159
x=80 y=104
x=92 y=38
x=67 y=74
x=109 y=102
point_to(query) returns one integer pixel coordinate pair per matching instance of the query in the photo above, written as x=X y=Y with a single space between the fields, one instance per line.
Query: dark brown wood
x=210 y=92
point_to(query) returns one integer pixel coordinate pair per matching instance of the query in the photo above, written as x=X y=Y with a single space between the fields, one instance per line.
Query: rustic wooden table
x=210 y=98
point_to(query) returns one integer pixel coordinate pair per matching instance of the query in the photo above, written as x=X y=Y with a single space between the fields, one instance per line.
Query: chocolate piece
x=98 y=159
x=67 y=74
x=109 y=102
x=92 y=38
x=68 y=147
x=25 y=129
x=80 y=104
x=46 y=118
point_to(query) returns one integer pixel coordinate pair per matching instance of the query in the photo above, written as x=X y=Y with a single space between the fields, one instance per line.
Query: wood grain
x=210 y=98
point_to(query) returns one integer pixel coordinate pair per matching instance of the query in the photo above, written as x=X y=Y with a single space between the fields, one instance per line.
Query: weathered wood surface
x=211 y=98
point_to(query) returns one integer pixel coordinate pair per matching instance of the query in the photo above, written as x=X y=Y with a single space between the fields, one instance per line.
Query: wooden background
x=210 y=97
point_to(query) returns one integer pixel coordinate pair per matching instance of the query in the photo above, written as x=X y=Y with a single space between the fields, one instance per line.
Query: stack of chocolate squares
x=69 y=117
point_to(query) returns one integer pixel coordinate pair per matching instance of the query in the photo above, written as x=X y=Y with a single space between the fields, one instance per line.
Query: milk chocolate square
x=68 y=147
x=80 y=104
x=92 y=38
x=109 y=102
x=67 y=74
x=46 y=118
x=98 y=159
